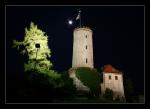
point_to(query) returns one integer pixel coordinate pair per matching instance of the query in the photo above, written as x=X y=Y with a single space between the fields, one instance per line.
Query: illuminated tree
x=35 y=45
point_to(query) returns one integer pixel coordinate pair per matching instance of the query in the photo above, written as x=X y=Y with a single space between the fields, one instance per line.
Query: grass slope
x=90 y=78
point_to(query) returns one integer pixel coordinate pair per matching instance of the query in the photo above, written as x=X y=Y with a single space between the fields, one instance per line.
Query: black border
x=72 y=2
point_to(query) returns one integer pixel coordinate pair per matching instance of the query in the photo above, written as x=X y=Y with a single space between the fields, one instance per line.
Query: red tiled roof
x=110 y=69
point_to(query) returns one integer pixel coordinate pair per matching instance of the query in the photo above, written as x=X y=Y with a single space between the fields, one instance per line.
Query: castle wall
x=79 y=85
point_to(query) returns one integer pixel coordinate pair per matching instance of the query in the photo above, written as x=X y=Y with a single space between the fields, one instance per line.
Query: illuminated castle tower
x=82 y=48
x=82 y=54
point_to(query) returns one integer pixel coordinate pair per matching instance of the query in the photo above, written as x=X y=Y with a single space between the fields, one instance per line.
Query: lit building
x=82 y=54
x=112 y=79
x=82 y=48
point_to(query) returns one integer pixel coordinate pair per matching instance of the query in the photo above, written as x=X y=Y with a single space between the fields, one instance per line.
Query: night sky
x=118 y=36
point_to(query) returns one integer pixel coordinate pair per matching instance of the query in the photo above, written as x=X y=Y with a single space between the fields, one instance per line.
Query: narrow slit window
x=116 y=77
x=86 y=36
x=86 y=60
x=86 y=46
x=109 y=77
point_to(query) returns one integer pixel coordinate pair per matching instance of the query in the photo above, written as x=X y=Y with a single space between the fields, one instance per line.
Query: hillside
x=90 y=78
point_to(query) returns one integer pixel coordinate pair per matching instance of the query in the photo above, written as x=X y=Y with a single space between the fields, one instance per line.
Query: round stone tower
x=82 y=48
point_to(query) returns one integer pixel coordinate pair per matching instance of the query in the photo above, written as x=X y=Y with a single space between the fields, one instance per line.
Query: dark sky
x=118 y=36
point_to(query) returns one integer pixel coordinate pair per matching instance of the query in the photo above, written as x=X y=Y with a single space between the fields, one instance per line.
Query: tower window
x=86 y=60
x=86 y=46
x=86 y=36
x=109 y=77
x=116 y=77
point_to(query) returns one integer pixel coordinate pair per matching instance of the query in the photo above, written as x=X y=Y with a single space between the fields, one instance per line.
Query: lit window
x=109 y=77
x=86 y=60
x=116 y=77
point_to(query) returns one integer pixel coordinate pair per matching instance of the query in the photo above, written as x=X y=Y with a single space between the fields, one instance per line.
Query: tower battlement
x=83 y=28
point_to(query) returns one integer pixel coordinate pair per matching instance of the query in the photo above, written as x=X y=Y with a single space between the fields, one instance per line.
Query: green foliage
x=90 y=78
x=37 y=87
x=129 y=90
x=120 y=99
x=34 y=36
x=68 y=86
x=17 y=44
x=38 y=57
x=43 y=70
x=108 y=94
x=129 y=87
x=117 y=98
x=50 y=78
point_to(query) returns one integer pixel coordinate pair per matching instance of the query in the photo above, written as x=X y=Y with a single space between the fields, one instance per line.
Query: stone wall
x=82 y=48
x=79 y=85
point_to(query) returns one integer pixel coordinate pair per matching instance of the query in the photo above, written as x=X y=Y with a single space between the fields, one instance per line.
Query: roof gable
x=110 y=69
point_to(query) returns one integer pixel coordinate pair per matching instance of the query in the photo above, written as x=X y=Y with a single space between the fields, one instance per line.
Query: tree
x=35 y=46
x=129 y=89
x=68 y=89
x=33 y=37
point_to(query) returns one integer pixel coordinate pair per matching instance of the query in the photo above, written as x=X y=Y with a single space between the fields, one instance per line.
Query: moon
x=70 y=22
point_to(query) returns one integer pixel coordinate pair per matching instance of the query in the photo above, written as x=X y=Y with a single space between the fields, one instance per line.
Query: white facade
x=82 y=48
x=113 y=81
